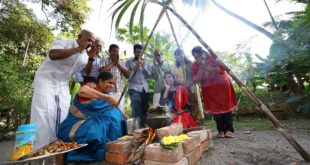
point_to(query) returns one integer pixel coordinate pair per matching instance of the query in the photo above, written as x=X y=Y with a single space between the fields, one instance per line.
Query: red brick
x=117 y=158
x=203 y=146
x=119 y=146
x=137 y=134
x=183 y=161
x=203 y=134
x=173 y=129
x=156 y=153
x=190 y=144
x=194 y=156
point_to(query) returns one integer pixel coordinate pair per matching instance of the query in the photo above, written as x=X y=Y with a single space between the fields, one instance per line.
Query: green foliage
x=15 y=87
x=24 y=42
x=120 y=10
x=289 y=59
x=19 y=27
x=67 y=15
x=159 y=41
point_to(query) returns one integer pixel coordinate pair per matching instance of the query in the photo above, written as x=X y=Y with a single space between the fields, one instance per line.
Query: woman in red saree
x=217 y=91
x=176 y=98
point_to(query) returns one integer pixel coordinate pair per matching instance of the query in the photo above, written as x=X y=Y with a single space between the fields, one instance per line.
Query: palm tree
x=165 y=4
x=123 y=5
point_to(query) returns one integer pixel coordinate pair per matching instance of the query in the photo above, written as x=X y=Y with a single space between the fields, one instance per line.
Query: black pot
x=158 y=122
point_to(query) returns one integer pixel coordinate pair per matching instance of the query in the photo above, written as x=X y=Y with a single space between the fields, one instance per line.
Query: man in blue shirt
x=138 y=88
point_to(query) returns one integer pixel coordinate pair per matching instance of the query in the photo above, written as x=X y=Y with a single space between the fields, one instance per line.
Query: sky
x=219 y=30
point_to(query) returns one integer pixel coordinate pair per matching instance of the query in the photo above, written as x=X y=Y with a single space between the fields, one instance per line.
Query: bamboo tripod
x=279 y=127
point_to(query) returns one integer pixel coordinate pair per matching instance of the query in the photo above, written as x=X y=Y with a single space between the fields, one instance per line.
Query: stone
x=117 y=158
x=139 y=133
x=183 y=161
x=119 y=146
x=209 y=133
x=155 y=152
x=210 y=144
x=194 y=156
x=190 y=144
x=203 y=134
x=173 y=129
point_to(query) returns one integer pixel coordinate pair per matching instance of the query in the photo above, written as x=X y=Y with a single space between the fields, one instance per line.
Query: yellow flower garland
x=170 y=142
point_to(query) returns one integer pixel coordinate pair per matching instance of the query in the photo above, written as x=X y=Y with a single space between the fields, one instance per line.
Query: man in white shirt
x=51 y=97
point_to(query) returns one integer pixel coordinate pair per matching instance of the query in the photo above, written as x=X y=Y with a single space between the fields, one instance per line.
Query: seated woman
x=92 y=120
x=176 y=98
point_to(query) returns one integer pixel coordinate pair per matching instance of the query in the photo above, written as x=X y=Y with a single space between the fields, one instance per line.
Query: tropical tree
x=68 y=16
x=140 y=5
x=160 y=41
x=24 y=42
x=289 y=58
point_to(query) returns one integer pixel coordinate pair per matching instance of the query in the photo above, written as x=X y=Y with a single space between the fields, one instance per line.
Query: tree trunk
x=251 y=95
x=247 y=22
x=26 y=51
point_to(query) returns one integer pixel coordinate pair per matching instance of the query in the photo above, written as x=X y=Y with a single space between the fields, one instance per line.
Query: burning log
x=136 y=156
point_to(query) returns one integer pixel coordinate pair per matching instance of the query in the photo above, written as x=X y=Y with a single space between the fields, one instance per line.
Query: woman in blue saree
x=92 y=120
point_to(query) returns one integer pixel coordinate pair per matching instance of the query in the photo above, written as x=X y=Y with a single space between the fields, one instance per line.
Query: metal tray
x=42 y=156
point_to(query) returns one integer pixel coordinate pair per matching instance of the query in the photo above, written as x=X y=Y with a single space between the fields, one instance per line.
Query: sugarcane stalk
x=251 y=95
x=172 y=29
x=199 y=101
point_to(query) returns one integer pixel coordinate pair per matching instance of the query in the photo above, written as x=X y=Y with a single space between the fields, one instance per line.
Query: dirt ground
x=258 y=147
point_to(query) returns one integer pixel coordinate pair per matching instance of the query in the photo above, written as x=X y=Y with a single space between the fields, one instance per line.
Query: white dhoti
x=48 y=109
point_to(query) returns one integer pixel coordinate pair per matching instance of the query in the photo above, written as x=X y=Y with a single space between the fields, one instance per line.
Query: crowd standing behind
x=93 y=106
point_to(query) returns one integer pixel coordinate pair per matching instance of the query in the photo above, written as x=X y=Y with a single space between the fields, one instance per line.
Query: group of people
x=96 y=114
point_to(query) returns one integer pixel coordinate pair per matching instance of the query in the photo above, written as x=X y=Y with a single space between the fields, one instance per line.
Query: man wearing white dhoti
x=51 y=97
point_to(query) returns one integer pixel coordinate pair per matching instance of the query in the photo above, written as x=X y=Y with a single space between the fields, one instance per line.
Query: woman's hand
x=125 y=116
x=173 y=116
x=166 y=85
x=179 y=111
x=112 y=101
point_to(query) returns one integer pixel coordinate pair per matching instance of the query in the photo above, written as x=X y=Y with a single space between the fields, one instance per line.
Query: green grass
x=260 y=123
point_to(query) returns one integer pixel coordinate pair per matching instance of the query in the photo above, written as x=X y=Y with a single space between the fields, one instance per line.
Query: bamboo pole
x=172 y=29
x=251 y=95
